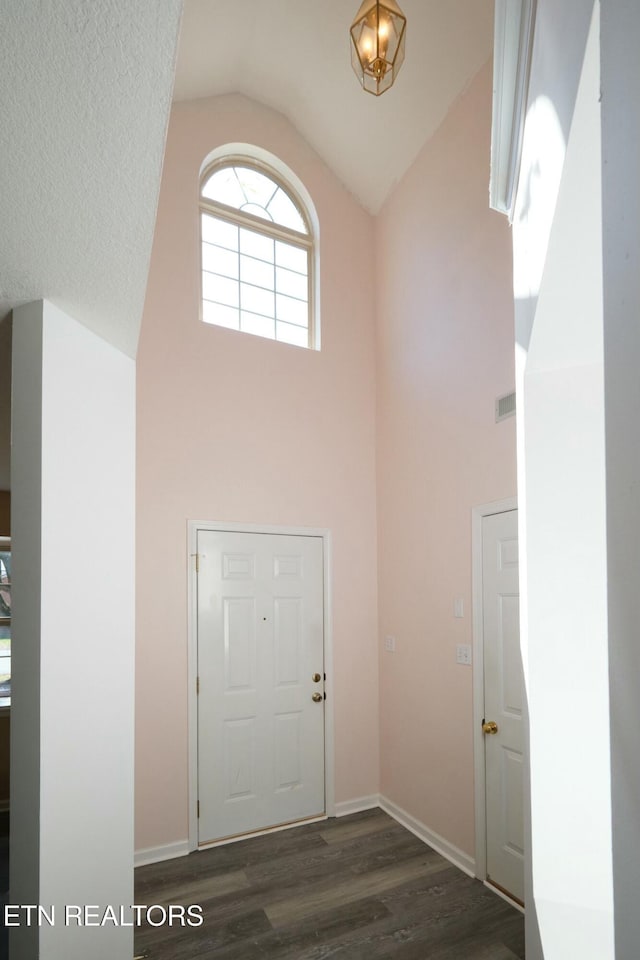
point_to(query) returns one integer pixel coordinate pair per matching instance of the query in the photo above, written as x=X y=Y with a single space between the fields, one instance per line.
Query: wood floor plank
x=447 y=893
x=322 y=898
x=456 y=931
x=208 y=940
x=358 y=829
x=311 y=934
x=352 y=856
x=194 y=890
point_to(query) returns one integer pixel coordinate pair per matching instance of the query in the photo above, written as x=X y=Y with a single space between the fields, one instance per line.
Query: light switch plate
x=463 y=654
x=458 y=607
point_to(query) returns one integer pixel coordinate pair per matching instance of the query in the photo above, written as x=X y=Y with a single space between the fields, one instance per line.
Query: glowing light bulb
x=383 y=38
x=368 y=44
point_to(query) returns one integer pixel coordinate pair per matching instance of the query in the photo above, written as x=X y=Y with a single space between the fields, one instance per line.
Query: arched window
x=257 y=253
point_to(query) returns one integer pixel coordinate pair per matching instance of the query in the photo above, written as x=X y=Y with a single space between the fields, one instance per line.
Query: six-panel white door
x=503 y=702
x=260 y=663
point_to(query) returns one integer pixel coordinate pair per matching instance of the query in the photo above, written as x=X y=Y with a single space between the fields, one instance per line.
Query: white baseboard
x=456 y=856
x=168 y=851
x=356 y=806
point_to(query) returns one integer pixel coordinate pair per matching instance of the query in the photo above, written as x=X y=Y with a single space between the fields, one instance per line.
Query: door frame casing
x=218 y=526
x=477 y=515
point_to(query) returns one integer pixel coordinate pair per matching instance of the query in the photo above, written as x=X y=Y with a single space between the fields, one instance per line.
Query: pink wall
x=445 y=351
x=232 y=427
x=241 y=429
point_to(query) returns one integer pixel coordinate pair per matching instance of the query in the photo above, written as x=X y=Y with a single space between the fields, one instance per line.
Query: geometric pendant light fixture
x=377 y=44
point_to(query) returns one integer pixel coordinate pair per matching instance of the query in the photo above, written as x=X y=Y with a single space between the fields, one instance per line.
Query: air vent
x=505 y=406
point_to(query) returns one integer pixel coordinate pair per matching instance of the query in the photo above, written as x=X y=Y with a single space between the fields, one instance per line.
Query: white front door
x=503 y=703
x=261 y=681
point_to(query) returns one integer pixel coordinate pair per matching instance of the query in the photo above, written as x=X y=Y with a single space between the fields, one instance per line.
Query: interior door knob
x=316 y=678
x=317 y=697
x=490 y=726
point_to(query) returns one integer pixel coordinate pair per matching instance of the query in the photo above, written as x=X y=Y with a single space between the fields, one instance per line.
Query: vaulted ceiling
x=294 y=56
x=84 y=105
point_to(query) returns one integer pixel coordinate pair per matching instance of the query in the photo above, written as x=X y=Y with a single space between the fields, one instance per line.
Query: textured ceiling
x=293 y=55
x=84 y=103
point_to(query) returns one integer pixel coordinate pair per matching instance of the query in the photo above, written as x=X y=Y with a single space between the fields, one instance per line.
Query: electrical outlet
x=390 y=644
x=463 y=654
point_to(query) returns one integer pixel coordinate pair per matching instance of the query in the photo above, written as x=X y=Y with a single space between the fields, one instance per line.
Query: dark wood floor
x=358 y=888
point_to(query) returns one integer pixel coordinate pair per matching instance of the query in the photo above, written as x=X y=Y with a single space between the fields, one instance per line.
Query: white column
x=73 y=488
x=562 y=494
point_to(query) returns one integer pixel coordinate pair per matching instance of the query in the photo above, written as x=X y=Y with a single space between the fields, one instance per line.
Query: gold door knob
x=317 y=697
x=316 y=678
x=490 y=727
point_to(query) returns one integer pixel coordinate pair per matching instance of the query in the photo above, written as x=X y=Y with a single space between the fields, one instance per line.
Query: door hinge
x=197 y=556
x=198 y=810
x=197 y=686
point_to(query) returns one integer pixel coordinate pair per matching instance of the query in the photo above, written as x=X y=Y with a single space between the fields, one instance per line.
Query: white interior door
x=503 y=703
x=261 y=681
